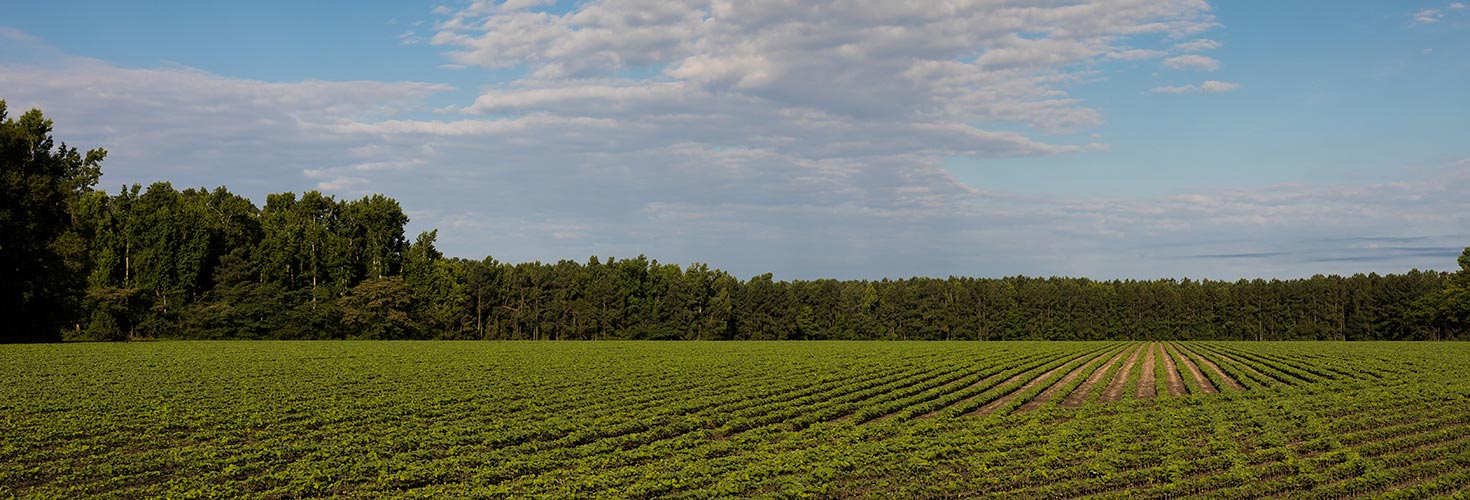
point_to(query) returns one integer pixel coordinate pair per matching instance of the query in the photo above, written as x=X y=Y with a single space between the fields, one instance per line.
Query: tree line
x=158 y=262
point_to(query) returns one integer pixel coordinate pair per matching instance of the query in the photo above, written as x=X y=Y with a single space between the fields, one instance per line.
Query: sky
x=1119 y=139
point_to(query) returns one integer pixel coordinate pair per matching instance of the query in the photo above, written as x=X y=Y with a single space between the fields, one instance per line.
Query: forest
x=158 y=262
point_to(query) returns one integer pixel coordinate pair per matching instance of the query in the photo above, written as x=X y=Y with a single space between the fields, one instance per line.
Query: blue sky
x=1132 y=139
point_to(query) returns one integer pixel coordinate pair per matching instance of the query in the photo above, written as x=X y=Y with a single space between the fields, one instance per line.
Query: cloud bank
x=804 y=138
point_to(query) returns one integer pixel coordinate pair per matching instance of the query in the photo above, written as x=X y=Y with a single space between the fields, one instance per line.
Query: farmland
x=824 y=419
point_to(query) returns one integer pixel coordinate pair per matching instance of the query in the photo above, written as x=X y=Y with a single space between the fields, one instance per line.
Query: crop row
x=999 y=420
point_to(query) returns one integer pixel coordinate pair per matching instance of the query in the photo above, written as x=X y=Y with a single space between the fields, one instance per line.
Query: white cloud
x=1199 y=45
x=890 y=59
x=1208 y=87
x=544 y=172
x=1192 y=61
x=1435 y=15
x=1216 y=86
x=197 y=128
x=1136 y=54
x=1179 y=89
x=820 y=133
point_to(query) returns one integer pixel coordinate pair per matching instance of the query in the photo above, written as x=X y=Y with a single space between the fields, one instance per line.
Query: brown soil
x=1146 y=376
x=1051 y=392
x=990 y=407
x=1248 y=368
x=985 y=381
x=1199 y=377
x=1171 y=374
x=1119 y=383
x=1229 y=382
x=1079 y=396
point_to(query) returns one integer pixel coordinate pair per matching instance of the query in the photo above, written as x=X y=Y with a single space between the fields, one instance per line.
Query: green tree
x=1445 y=313
x=40 y=185
x=485 y=287
x=380 y=309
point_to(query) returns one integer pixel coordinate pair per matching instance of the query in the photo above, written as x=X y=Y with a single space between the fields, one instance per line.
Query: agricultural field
x=747 y=419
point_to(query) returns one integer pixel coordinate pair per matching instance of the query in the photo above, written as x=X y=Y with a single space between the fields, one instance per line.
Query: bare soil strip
x=1079 y=396
x=1229 y=382
x=985 y=381
x=948 y=387
x=1119 y=383
x=1248 y=368
x=1199 y=377
x=1051 y=392
x=1146 y=377
x=1171 y=374
x=990 y=407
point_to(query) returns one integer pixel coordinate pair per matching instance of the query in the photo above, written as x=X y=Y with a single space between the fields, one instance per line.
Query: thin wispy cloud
x=1137 y=54
x=1208 y=87
x=1192 y=62
x=1199 y=45
x=13 y=34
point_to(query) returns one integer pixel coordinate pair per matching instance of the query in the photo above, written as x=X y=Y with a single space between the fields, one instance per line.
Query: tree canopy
x=41 y=186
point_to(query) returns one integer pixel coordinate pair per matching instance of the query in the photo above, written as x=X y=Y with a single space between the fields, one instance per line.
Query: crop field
x=747 y=419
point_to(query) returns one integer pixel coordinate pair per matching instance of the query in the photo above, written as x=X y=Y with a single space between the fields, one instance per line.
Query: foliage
x=41 y=183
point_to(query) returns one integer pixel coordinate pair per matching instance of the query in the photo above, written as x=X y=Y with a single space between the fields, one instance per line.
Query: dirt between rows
x=1248 y=368
x=1051 y=392
x=1079 y=396
x=987 y=380
x=1229 y=381
x=1171 y=374
x=894 y=413
x=1146 y=377
x=1119 y=383
x=1199 y=377
x=1116 y=387
x=991 y=406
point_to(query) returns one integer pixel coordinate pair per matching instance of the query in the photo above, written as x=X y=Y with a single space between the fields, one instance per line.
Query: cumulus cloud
x=800 y=138
x=881 y=60
x=1192 y=61
x=522 y=177
x=1208 y=87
